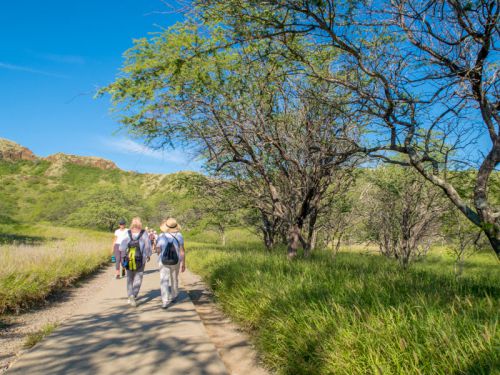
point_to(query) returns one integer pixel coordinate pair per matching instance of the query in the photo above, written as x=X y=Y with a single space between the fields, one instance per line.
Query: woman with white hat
x=169 y=274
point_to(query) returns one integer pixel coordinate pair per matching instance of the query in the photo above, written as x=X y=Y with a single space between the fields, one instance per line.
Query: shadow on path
x=116 y=338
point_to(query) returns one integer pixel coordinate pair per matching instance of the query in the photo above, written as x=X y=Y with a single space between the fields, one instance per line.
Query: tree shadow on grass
x=21 y=239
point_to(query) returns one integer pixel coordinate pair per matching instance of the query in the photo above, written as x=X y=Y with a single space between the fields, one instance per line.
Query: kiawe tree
x=103 y=207
x=423 y=75
x=403 y=213
x=247 y=116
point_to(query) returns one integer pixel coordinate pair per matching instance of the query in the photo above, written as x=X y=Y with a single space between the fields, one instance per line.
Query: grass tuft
x=34 y=338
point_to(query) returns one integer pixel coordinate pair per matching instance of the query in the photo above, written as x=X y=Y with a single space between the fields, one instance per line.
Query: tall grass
x=357 y=314
x=42 y=259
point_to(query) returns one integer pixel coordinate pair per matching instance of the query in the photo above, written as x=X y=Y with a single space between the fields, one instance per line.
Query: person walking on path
x=136 y=259
x=152 y=238
x=169 y=274
x=120 y=235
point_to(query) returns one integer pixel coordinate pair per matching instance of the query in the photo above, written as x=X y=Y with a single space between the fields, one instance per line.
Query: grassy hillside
x=43 y=202
x=77 y=195
x=358 y=313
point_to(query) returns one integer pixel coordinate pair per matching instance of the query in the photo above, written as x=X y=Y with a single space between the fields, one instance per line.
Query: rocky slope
x=12 y=151
x=89 y=161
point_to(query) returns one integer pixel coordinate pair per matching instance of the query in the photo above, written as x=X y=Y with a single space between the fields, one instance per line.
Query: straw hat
x=170 y=225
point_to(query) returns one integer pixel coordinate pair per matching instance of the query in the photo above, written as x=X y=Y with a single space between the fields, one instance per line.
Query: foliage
x=358 y=314
x=422 y=76
x=102 y=207
x=253 y=121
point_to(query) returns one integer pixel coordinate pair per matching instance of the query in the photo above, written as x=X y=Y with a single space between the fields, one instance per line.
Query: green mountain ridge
x=87 y=191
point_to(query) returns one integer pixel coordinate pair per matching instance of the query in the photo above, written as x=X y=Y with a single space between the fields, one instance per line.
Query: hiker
x=152 y=238
x=155 y=239
x=170 y=237
x=120 y=234
x=136 y=251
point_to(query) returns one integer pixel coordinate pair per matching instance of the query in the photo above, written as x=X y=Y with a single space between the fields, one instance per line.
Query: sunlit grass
x=358 y=313
x=31 y=270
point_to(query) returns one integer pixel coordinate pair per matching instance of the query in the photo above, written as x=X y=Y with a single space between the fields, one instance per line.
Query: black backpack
x=133 y=260
x=169 y=256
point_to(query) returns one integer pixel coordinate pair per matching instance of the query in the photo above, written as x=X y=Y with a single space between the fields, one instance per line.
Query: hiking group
x=132 y=249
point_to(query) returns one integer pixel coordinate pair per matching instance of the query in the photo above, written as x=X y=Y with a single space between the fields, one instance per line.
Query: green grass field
x=358 y=313
x=354 y=313
x=39 y=260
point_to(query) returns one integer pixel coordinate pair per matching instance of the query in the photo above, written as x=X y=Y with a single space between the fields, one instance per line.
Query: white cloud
x=29 y=70
x=128 y=146
x=64 y=59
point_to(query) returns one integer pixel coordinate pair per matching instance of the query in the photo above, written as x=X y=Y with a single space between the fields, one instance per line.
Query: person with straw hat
x=169 y=274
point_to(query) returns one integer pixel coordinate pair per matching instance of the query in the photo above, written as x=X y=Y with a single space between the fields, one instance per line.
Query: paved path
x=109 y=337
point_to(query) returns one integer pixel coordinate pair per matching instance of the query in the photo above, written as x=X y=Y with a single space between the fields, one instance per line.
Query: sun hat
x=170 y=225
x=122 y=222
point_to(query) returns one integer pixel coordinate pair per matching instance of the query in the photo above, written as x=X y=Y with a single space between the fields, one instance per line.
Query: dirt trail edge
x=106 y=336
x=232 y=343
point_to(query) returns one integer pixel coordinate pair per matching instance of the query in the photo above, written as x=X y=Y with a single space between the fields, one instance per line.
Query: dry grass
x=47 y=259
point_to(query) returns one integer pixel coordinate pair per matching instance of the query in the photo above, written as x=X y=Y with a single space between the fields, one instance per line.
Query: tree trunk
x=222 y=234
x=268 y=239
x=293 y=241
x=311 y=232
x=494 y=239
x=314 y=239
x=459 y=267
x=268 y=231
x=337 y=244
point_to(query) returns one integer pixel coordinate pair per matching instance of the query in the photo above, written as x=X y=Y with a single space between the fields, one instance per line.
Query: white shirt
x=120 y=234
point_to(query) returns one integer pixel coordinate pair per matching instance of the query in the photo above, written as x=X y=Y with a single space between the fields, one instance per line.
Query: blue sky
x=54 y=56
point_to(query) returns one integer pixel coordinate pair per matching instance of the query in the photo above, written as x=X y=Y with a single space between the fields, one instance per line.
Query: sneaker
x=117 y=277
x=132 y=302
x=164 y=305
x=174 y=300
